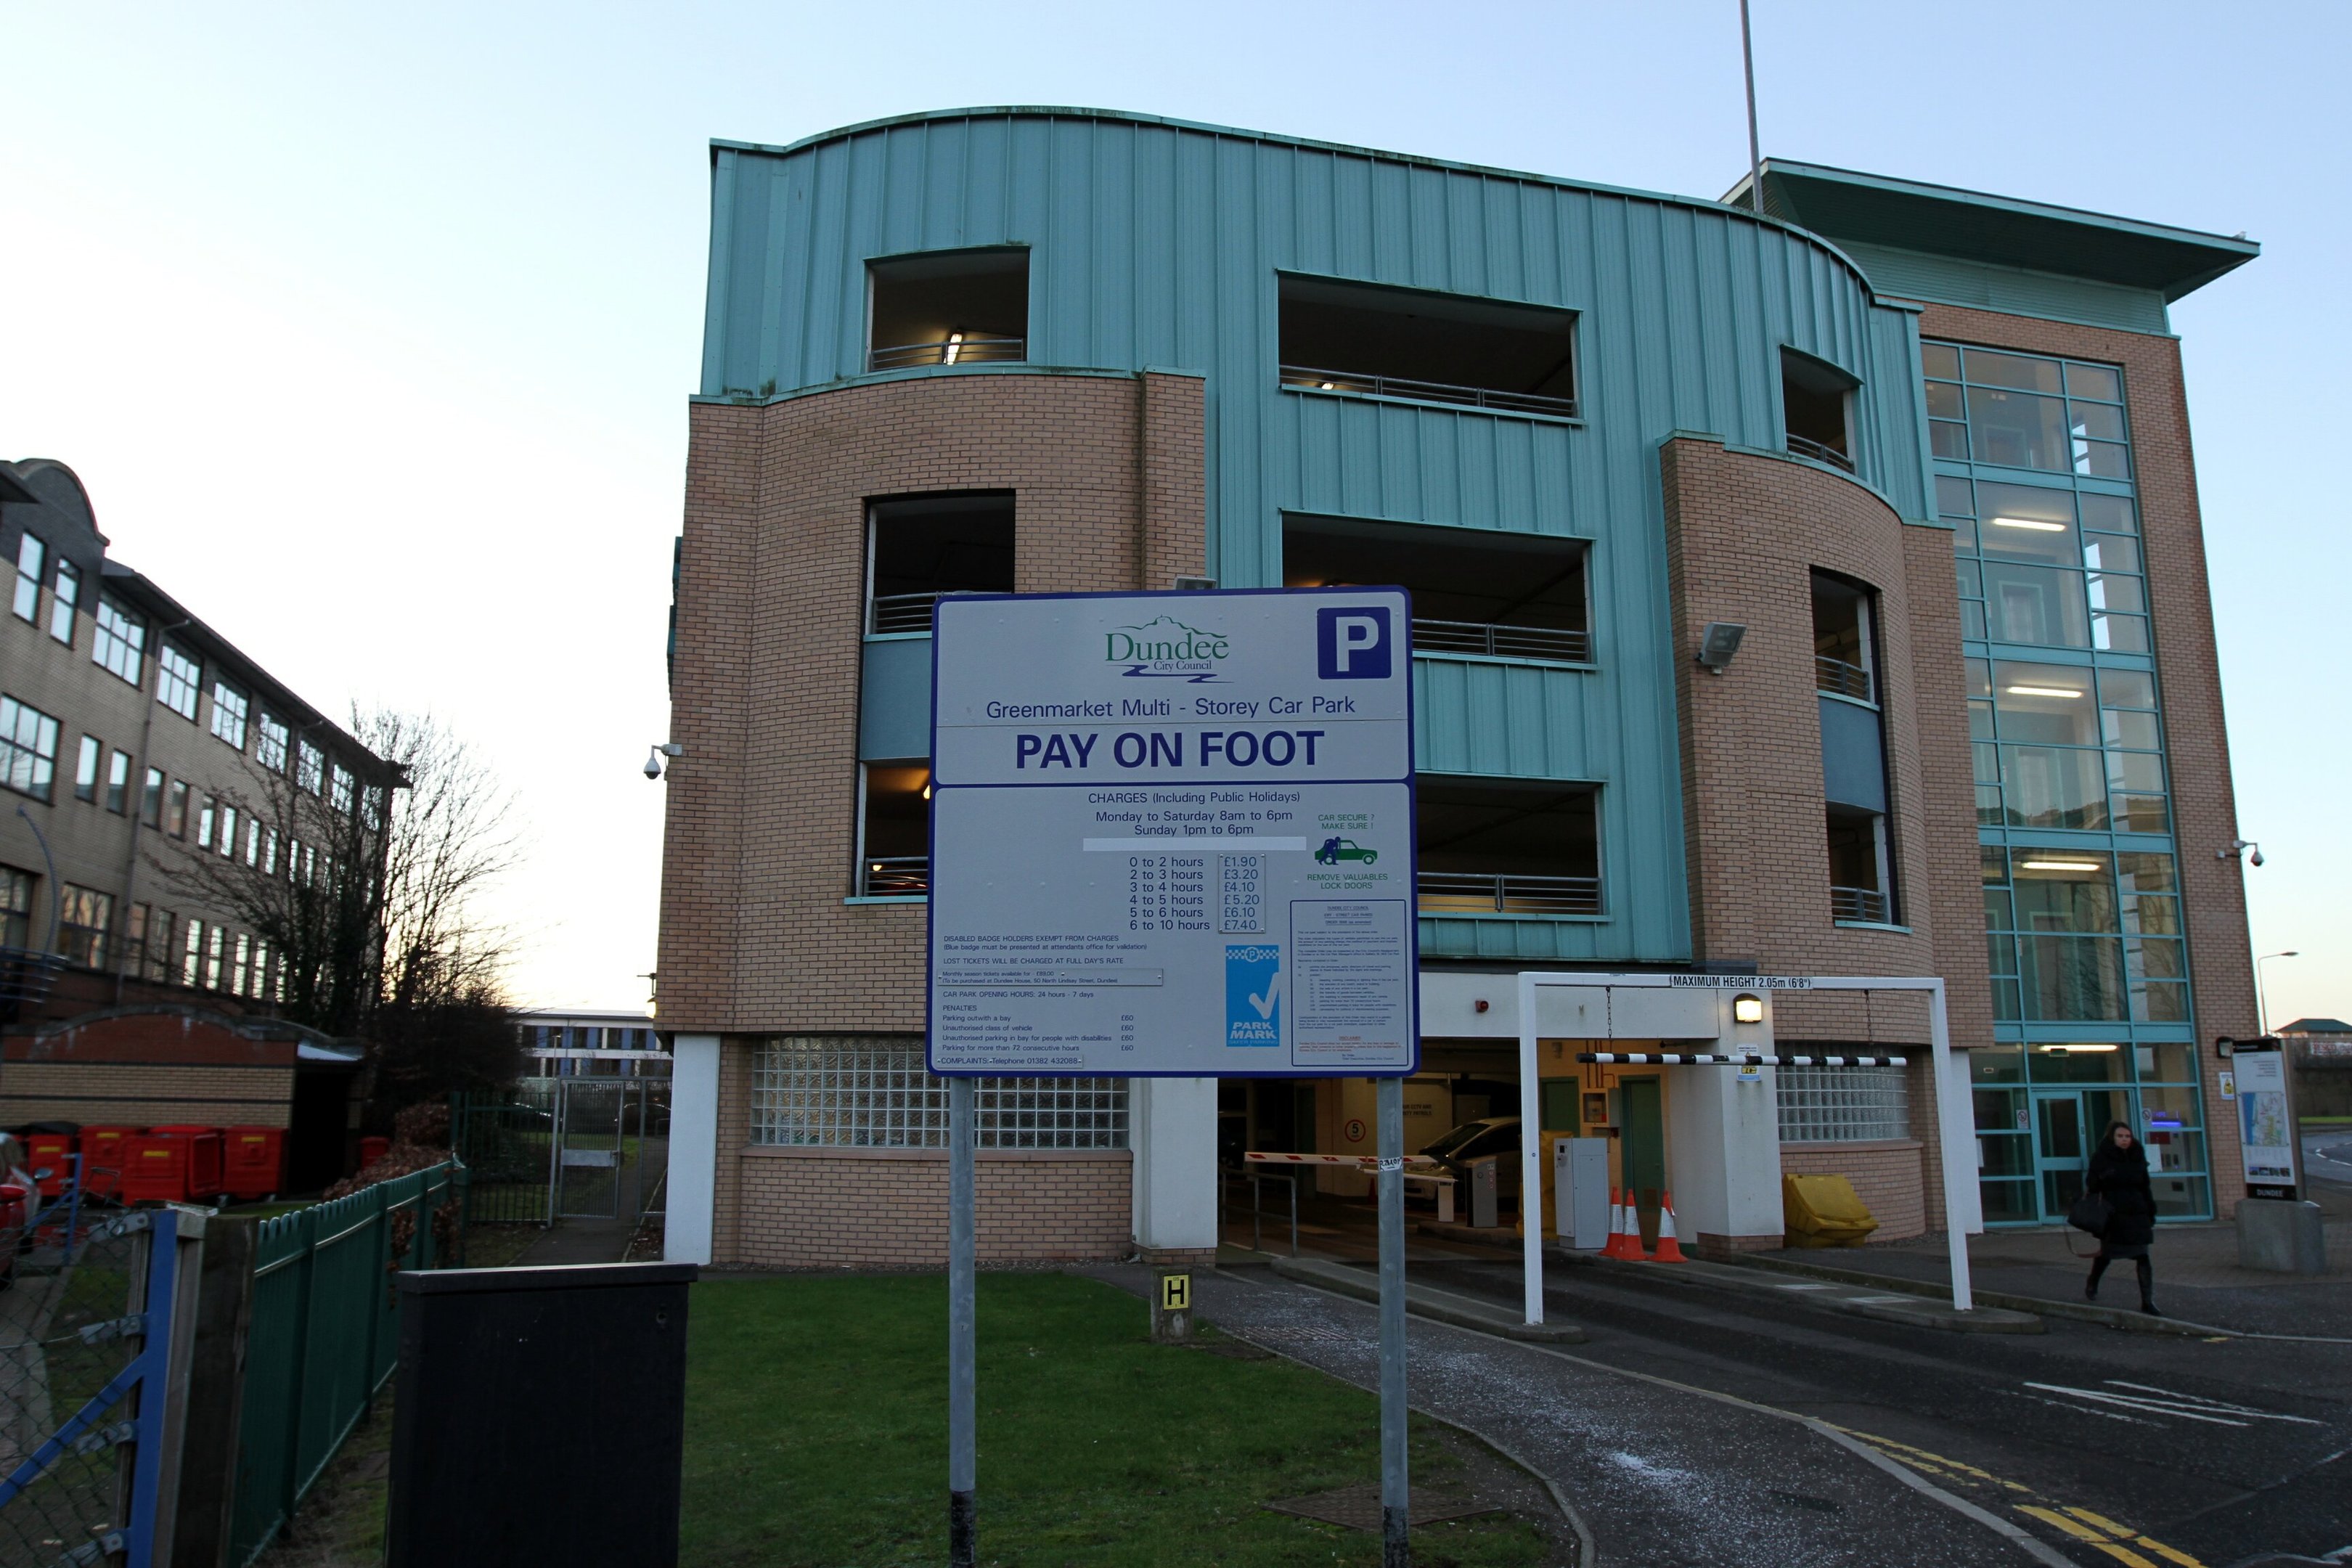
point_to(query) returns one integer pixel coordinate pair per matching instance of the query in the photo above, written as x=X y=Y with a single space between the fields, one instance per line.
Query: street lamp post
x=2261 y=1012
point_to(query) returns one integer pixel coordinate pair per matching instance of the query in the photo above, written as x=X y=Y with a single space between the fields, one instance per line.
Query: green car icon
x=1335 y=850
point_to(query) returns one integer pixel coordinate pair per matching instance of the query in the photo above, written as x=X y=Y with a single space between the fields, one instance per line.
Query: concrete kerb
x=1438 y=1306
x=1988 y=1316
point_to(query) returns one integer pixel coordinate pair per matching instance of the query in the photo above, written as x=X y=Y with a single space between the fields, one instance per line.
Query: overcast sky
x=371 y=329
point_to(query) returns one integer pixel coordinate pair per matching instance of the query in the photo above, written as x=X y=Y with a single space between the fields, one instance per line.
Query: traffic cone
x=1624 y=1231
x=1669 y=1250
x=1615 y=1246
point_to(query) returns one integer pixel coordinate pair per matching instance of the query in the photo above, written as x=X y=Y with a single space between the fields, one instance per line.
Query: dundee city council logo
x=1165 y=649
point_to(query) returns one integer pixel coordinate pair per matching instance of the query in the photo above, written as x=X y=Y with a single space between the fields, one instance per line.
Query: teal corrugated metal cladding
x=1154 y=243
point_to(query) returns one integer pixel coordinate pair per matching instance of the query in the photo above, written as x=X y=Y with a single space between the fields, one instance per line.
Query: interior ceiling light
x=2041 y=691
x=2034 y=523
x=2060 y=865
x=1323 y=386
x=955 y=347
x=2070 y=1049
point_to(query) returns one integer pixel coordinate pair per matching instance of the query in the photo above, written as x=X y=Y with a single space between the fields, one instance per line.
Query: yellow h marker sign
x=1175 y=1292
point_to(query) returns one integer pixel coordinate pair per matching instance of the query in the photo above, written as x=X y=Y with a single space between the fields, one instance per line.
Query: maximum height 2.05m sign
x=1172 y=833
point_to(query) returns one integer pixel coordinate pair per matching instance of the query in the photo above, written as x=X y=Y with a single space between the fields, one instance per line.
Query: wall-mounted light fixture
x=1717 y=643
x=1748 y=1009
x=654 y=758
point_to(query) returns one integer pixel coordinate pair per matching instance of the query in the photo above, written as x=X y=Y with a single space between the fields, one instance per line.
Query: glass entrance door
x=2067 y=1123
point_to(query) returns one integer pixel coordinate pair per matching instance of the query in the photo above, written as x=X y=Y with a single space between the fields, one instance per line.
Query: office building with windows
x=1805 y=586
x=144 y=763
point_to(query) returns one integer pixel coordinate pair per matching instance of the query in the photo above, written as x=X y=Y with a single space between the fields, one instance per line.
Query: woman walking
x=2119 y=1173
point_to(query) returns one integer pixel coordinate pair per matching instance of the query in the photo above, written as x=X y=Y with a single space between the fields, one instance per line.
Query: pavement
x=579 y=1241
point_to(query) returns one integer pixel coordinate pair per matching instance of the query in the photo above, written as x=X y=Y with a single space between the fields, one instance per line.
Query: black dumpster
x=540 y=1416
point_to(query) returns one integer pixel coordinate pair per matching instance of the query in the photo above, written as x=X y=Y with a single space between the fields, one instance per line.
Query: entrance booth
x=1677 y=1071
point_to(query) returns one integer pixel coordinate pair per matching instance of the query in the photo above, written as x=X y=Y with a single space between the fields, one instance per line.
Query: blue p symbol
x=1353 y=643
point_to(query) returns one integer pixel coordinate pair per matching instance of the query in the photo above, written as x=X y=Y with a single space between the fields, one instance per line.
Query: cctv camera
x=2256 y=858
x=653 y=764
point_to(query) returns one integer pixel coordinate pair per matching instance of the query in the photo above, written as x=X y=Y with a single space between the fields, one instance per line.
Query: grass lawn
x=816 y=1433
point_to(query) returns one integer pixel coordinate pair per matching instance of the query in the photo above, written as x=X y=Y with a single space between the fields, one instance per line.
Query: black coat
x=2120 y=1176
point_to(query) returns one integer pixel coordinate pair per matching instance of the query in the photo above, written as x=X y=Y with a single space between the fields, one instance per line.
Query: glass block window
x=1842 y=1105
x=29 y=749
x=231 y=714
x=178 y=679
x=122 y=641
x=871 y=1091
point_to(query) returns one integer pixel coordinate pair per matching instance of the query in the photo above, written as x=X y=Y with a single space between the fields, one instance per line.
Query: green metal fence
x=507 y=1140
x=325 y=1336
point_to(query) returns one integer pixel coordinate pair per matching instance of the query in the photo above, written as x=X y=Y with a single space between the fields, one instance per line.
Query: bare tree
x=365 y=891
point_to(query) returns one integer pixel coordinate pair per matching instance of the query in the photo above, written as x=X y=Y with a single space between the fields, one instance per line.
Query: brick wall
x=2205 y=815
x=1744 y=533
x=1108 y=479
x=148 y=1067
x=1888 y=1177
x=887 y=1208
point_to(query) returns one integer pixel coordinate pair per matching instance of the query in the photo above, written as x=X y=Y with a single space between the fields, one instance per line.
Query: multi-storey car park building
x=1930 y=447
x=137 y=750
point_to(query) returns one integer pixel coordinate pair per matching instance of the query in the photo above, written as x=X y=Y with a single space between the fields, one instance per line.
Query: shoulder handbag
x=2091 y=1213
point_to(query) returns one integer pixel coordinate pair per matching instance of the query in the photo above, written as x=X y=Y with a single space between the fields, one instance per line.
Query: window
x=85 y=769
x=29 y=749
x=921 y=548
x=30 y=556
x=178 y=679
x=2084 y=935
x=62 y=600
x=1475 y=591
x=205 y=815
x=121 y=640
x=1845 y=659
x=1840 y=1105
x=272 y=749
x=1507 y=847
x=192 y=958
x=310 y=767
x=175 y=809
x=1360 y=339
x=1817 y=410
x=2067 y=745
x=895 y=830
x=162 y=958
x=960 y=307
x=1861 y=866
x=872 y=1091
x=345 y=794
x=240 y=964
x=230 y=709
x=216 y=951
x=118 y=783
x=134 y=939
x=2025 y=411
x=85 y=918
x=150 y=799
x=15 y=908
x=225 y=838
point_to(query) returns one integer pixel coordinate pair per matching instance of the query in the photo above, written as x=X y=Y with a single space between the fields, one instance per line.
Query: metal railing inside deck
x=1820 y=451
x=1858 y=904
x=1303 y=378
x=960 y=348
x=892 y=613
x=894 y=876
x=28 y=974
x=325 y=1337
x=1497 y=641
x=1460 y=892
x=1840 y=678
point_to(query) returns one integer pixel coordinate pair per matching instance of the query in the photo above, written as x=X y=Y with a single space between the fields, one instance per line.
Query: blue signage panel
x=1172 y=833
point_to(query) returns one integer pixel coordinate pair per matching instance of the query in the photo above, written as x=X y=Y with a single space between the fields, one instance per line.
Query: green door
x=1643 y=1154
x=2067 y=1124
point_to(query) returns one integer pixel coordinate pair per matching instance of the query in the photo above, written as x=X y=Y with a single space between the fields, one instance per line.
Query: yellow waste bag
x=1823 y=1211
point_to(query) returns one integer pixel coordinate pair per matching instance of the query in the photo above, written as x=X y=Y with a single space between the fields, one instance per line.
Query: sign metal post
x=1172 y=836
